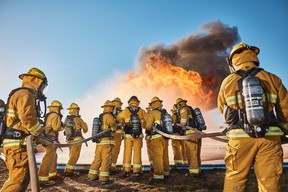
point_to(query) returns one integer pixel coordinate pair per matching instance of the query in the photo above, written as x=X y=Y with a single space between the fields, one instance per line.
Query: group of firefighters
x=120 y=125
x=253 y=101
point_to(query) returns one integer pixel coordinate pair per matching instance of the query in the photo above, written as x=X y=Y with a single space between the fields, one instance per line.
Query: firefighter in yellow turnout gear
x=53 y=124
x=193 y=146
x=22 y=120
x=132 y=119
x=148 y=135
x=117 y=136
x=159 y=144
x=103 y=152
x=77 y=123
x=178 y=146
x=250 y=144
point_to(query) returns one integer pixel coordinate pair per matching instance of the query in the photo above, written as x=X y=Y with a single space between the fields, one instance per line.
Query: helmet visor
x=44 y=86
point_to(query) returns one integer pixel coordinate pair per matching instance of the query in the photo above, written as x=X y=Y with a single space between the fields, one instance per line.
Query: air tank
x=168 y=123
x=252 y=93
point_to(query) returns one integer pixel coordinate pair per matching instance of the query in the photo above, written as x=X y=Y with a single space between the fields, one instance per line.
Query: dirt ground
x=210 y=181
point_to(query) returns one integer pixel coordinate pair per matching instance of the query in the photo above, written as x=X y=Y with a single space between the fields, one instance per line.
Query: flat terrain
x=210 y=180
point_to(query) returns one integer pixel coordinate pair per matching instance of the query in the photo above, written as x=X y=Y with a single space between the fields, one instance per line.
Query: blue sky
x=82 y=45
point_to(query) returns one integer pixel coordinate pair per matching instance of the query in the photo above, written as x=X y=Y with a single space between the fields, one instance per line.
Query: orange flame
x=170 y=82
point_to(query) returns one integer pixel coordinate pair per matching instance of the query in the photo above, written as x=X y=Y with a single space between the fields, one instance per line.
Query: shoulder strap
x=251 y=72
x=102 y=115
x=8 y=100
x=14 y=91
x=132 y=111
x=45 y=120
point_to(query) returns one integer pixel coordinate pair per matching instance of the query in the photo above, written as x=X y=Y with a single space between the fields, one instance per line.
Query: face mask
x=2 y=109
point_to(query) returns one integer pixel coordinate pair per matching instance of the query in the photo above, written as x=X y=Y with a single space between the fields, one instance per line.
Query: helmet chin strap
x=232 y=69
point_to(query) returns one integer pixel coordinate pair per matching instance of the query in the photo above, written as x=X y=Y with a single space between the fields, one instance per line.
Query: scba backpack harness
x=97 y=128
x=51 y=138
x=135 y=129
x=253 y=118
x=10 y=132
x=196 y=120
x=70 y=128
x=166 y=122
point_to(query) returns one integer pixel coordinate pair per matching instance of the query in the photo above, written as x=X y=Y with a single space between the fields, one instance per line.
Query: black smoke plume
x=204 y=51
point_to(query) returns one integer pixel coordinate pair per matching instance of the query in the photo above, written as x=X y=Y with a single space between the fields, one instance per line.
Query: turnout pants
x=49 y=160
x=116 y=149
x=102 y=158
x=148 y=146
x=193 y=156
x=264 y=153
x=74 y=153
x=17 y=164
x=159 y=152
x=135 y=145
x=179 y=151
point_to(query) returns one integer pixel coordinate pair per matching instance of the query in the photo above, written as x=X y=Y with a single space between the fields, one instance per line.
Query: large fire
x=161 y=78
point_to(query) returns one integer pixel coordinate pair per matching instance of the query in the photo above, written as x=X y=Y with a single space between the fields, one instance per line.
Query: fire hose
x=34 y=181
x=32 y=160
x=196 y=135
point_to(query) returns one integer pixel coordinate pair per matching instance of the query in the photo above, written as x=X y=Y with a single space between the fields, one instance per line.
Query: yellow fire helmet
x=155 y=99
x=34 y=72
x=133 y=98
x=108 y=104
x=117 y=99
x=73 y=106
x=179 y=100
x=56 y=103
x=239 y=48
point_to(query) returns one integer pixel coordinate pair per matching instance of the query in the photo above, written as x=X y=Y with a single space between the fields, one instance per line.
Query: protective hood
x=245 y=56
x=31 y=82
x=54 y=109
x=133 y=103
x=107 y=109
x=74 y=112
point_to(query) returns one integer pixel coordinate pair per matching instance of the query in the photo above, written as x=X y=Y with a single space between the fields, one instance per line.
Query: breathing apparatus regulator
x=69 y=131
x=41 y=98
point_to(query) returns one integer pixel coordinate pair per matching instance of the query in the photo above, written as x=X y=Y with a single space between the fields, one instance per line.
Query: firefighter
x=53 y=124
x=159 y=144
x=178 y=146
x=78 y=125
x=132 y=118
x=245 y=146
x=103 y=152
x=193 y=146
x=148 y=135
x=22 y=120
x=117 y=136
